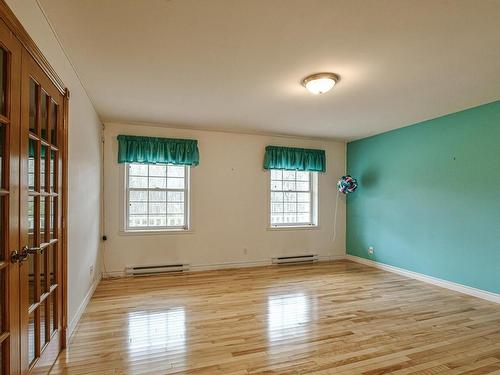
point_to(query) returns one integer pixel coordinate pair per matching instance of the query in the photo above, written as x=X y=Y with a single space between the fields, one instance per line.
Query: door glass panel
x=43 y=286
x=43 y=158
x=52 y=263
x=52 y=216
x=3 y=84
x=2 y=151
x=42 y=220
x=31 y=221
x=53 y=122
x=31 y=337
x=52 y=170
x=33 y=102
x=44 y=115
x=42 y=323
x=31 y=242
x=31 y=280
x=52 y=303
x=50 y=315
x=32 y=146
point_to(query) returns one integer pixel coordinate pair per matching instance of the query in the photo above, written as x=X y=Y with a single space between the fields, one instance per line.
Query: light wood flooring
x=327 y=318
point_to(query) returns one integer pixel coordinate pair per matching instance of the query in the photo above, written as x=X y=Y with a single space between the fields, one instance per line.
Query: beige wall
x=229 y=192
x=229 y=184
x=84 y=162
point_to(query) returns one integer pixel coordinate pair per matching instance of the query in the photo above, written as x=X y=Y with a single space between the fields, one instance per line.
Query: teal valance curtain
x=152 y=150
x=298 y=159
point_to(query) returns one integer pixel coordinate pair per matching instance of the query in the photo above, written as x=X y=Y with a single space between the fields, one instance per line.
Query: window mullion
x=166 y=196
x=311 y=198
x=295 y=191
x=127 y=208
x=186 y=207
x=147 y=202
x=283 y=200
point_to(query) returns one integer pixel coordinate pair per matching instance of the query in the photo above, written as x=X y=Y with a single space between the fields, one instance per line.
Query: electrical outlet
x=91 y=270
x=371 y=250
x=245 y=251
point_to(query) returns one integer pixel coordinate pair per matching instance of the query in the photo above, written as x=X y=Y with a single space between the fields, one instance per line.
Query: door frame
x=27 y=42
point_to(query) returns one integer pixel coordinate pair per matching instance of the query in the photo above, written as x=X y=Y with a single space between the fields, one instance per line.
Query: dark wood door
x=40 y=218
x=10 y=68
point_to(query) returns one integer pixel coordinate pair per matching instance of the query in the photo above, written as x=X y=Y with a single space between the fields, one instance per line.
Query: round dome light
x=320 y=83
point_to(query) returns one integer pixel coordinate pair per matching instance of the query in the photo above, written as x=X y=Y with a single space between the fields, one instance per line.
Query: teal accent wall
x=429 y=197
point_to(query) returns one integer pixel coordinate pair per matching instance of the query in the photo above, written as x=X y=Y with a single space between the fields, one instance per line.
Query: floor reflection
x=288 y=315
x=157 y=330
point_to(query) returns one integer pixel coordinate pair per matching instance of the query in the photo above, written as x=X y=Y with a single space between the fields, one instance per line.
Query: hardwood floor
x=326 y=318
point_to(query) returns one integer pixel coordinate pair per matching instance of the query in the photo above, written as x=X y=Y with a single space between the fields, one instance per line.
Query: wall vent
x=294 y=259
x=156 y=269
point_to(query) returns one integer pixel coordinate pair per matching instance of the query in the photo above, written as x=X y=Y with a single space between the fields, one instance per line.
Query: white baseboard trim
x=113 y=274
x=255 y=263
x=483 y=294
x=330 y=258
x=81 y=309
x=226 y=265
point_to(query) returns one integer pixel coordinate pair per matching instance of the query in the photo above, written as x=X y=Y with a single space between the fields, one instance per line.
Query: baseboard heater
x=156 y=269
x=294 y=259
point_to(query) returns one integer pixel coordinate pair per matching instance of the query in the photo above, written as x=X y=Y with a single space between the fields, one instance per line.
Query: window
x=293 y=198
x=156 y=197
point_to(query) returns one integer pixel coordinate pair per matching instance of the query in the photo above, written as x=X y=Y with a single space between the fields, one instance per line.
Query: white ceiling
x=237 y=64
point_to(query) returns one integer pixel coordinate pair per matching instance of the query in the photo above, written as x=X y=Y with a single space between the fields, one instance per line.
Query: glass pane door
x=10 y=67
x=31 y=131
x=42 y=207
x=40 y=213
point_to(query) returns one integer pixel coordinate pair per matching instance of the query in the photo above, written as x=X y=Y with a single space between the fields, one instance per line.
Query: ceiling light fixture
x=320 y=83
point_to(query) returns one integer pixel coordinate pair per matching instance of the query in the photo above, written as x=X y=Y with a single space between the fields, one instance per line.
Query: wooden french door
x=40 y=218
x=33 y=113
x=10 y=70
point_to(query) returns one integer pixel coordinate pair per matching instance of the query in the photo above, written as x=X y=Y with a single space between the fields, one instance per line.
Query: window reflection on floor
x=287 y=315
x=157 y=330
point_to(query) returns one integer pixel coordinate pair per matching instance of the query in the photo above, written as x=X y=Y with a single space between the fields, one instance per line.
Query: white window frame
x=314 y=191
x=150 y=229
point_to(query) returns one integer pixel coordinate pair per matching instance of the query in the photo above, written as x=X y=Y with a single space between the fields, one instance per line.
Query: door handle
x=23 y=254
x=32 y=250
x=18 y=256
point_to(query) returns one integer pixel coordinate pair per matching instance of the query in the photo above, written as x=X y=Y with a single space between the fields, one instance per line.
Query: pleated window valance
x=152 y=150
x=299 y=159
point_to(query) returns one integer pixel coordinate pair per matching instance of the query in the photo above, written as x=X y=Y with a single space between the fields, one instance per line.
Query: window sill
x=291 y=227
x=155 y=232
